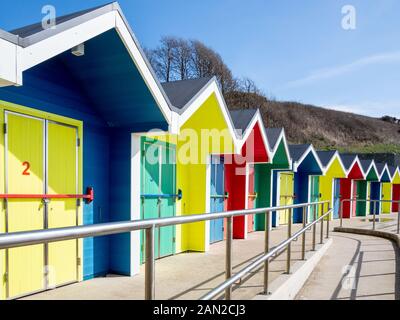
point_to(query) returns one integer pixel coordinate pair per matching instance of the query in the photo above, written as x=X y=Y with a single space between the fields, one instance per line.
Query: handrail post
x=303 y=239
x=149 y=264
x=228 y=258
x=328 y=221
x=266 y=250
x=322 y=224
x=314 y=228
x=289 y=247
x=374 y=218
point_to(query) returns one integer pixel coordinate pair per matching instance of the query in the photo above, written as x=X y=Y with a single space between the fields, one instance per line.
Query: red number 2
x=27 y=166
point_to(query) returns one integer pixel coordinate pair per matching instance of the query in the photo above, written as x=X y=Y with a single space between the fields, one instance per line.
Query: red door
x=251 y=198
x=396 y=197
x=354 y=203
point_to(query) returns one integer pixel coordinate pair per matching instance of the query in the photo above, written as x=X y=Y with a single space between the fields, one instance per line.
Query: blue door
x=375 y=195
x=336 y=198
x=217 y=199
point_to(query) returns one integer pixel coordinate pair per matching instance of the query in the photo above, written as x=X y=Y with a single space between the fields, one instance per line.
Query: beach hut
x=386 y=188
x=364 y=187
x=241 y=172
x=267 y=175
x=334 y=170
x=205 y=135
x=66 y=145
x=307 y=170
x=395 y=173
x=348 y=186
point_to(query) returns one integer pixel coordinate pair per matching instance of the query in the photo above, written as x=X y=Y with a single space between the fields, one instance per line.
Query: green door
x=362 y=190
x=314 y=197
x=158 y=193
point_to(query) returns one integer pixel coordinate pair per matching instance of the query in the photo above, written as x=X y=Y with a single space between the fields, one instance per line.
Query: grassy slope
x=326 y=129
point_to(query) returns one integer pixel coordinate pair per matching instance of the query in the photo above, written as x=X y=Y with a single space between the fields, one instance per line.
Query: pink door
x=251 y=199
x=354 y=203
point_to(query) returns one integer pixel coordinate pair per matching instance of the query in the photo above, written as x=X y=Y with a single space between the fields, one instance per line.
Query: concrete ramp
x=355 y=267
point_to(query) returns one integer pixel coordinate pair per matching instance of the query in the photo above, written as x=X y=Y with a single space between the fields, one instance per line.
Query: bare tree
x=163 y=58
x=179 y=59
x=249 y=86
x=183 y=59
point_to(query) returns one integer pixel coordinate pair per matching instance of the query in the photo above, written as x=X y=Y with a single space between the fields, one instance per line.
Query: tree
x=163 y=58
x=183 y=59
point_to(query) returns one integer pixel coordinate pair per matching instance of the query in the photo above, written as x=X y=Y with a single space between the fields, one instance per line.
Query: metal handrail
x=273 y=253
x=26 y=238
x=375 y=210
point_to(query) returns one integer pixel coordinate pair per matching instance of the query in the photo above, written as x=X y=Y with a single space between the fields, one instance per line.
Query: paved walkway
x=189 y=275
x=355 y=267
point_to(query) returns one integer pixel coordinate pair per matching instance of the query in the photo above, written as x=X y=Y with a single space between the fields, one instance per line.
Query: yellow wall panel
x=335 y=171
x=205 y=133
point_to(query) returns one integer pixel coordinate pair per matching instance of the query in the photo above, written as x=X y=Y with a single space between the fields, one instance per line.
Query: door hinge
x=78 y=142
x=5 y=128
x=78 y=261
x=5 y=277
x=5 y=204
x=173 y=240
x=142 y=248
x=78 y=202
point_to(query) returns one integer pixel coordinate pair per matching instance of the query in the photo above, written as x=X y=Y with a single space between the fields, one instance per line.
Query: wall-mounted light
x=79 y=50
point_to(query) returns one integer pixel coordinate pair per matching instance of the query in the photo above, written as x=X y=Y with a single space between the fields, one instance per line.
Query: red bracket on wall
x=88 y=197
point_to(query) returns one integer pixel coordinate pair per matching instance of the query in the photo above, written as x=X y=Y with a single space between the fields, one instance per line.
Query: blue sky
x=294 y=50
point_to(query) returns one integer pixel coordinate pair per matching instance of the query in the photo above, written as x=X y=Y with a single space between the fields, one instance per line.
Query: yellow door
x=62 y=179
x=286 y=195
x=24 y=175
x=386 y=195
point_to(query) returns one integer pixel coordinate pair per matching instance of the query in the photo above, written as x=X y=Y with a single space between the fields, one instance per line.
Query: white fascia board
x=198 y=101
x=386 y=168
x=257 y=119
x=282 y=137
x=8 y=63
x=305 y=154
x=144 y=70
x=334 y=157
x=52 y=46
x=357 y=160
x=373 y=166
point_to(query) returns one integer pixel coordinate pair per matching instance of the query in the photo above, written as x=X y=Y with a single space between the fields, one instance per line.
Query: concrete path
x=356 y=267
x=189 y=275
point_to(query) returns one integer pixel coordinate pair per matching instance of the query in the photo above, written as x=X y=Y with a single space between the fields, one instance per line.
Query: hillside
x=326 y=129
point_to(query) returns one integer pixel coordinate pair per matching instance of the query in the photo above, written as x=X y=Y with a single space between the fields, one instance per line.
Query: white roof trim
x=282 y=136
x=356 y=160
x=198 y=100
x=20 y=58
x=372 y=166
x=385 y=168
x=257 y=119
x=336 y=155
x=311 y=149
x=8 y=61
